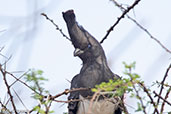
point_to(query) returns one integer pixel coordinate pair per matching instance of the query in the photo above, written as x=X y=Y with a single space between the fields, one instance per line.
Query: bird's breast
x=86 y=106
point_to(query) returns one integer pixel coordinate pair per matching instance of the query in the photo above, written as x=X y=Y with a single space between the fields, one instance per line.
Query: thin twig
x=162 y=98
x=57 y=27
x=8 y=88
x=162 y=83
x=119 y=19
x=163 y=104
x=91 y=101
x=140 y=98
x=72 y=100
x=151 y=36
x=48 y=105
x=141 y=27
x=137 y=93
x=149 y=95
x=20 y=100
x=3 y=106
x=68 y=91
x=18 y=79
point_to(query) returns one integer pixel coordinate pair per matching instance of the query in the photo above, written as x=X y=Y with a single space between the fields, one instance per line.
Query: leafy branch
x=135 y=88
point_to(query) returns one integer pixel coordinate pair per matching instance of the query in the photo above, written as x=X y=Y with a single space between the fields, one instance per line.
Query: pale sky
x=33 y=41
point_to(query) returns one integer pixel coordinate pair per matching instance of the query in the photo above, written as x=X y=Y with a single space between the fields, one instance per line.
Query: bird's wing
x=73 y=95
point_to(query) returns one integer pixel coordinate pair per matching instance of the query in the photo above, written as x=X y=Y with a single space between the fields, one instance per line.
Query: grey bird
x=94 y=70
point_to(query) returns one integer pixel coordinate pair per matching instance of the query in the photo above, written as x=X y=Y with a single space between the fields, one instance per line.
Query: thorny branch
x=119 y=19
x=141 y=27
x=57 y=27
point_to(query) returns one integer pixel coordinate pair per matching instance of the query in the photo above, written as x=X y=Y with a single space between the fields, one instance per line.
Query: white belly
x=105 y=106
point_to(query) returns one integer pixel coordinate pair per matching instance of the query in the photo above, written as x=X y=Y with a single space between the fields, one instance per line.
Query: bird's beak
x=78 y=52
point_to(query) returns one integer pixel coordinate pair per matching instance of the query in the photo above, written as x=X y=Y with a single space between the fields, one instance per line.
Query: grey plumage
x=94 y=70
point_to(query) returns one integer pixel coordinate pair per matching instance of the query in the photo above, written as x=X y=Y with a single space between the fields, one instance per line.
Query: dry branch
x=68 y=91
x=149 y=95
x=162 y=98
x=3 y=72
x=119 y=19
x=150 y=35
x=166 y=96
x=141 y=27
x=162 y=83
x=57 y=27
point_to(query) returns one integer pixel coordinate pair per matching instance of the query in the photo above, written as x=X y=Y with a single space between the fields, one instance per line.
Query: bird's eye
x=89 y=46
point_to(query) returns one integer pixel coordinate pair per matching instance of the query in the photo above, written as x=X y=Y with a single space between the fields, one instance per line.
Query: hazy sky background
x=33 y=41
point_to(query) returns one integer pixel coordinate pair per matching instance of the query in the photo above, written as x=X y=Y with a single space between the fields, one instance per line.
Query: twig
x=18 y=79
x=2 y=54
x=92 y=99
x=137 y=92
x=72 y=100
x=149 y=95
x=57 y=27
x=141 y=27
x=68 y=91
x=48 y=105
x=8 y=88
x=163 y=104
x=162 y=98
x=151 y=36
x=20 y=100
x=3 y=106
x=140 y=98
x=119 y=19
x=162 y=83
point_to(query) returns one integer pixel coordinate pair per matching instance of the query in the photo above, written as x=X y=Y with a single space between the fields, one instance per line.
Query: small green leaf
x=139 y=107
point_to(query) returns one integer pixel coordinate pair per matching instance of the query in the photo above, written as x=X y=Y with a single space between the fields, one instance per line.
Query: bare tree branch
x=3 y=106
x=119 y=19
x=20 y=100
x=68 y=91
x=166 y=96
x=57 y=27
x=149 y=95
x=141 y=27
x=151 y=36
x=140 y=98
x=162 y=98
x=162 y=83
x=8 y=88
x=18 y=79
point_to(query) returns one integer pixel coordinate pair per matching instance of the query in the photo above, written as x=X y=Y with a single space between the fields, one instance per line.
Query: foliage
x=134 y=87
x=36 y=81
x=121 y=85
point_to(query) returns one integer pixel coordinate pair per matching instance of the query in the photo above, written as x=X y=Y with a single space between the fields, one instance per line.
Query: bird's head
x=86 y=46
x=90 y=53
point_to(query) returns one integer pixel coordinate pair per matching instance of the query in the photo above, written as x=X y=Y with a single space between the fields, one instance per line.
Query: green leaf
x=139 y=107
